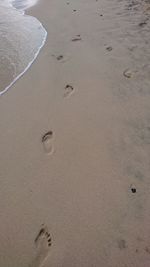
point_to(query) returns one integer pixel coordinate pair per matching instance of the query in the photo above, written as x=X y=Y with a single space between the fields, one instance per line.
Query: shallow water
x=22 y=4
x=21 y=38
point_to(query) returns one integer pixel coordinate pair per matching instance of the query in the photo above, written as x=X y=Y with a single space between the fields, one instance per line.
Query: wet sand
x=75 y=137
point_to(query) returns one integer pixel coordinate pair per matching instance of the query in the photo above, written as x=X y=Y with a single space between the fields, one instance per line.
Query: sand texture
x=75 y=141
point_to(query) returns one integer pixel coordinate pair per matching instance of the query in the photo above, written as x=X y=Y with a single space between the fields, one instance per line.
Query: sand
x=75 y=137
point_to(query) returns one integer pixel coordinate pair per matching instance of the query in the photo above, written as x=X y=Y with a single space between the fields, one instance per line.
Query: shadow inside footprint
x=47 y=141
x=109 y=48
x=143 y=23
x=41 y=232
x=68 y=90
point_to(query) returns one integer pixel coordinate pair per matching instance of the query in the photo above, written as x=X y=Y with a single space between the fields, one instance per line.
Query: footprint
x=43 y=245
x=58 y=57
x=121 y=244
x=61 y=58
x=143 y=23
x=68 y=90
x=147 y=249
x=128 y=73
x=77 y=38
x=109 y=48
x=47 y=141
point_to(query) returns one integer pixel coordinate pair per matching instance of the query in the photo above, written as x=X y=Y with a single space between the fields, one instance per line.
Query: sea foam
x=21 y=39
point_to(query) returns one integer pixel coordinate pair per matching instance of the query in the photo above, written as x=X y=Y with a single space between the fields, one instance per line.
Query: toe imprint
x=43 y=235
x=43 y=243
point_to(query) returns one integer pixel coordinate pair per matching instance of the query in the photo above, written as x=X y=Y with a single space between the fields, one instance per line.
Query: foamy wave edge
x=35 y=56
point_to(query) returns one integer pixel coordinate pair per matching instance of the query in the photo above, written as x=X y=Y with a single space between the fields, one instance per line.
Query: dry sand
x=75 y=140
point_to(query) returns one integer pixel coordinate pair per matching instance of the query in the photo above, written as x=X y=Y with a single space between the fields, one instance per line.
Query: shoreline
x=75 y=140
x=24 y=13
x=26 y=7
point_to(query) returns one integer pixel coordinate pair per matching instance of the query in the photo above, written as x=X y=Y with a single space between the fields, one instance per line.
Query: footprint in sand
x=77 y=38
x=43 y=244
x=143 y=23
x=68 y=90
x=109 y=48
x=128 y=73
x=47 y=141
x=61 y=58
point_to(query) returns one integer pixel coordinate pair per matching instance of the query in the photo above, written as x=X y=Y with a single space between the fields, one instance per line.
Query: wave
x=21 y=39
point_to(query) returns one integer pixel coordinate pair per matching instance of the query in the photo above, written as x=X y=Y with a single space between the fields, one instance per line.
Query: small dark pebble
x=74 y=10
x=101 y=15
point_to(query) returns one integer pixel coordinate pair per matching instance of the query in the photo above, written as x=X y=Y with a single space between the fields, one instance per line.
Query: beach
x=75 y=140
